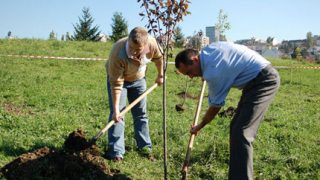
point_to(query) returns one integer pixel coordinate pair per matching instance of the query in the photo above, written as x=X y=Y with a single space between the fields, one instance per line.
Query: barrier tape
x=288 y=67
x=101 y=59
x=55 y=57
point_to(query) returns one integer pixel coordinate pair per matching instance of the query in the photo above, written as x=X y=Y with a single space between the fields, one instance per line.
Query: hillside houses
x=261 y=46
x=288 y=47
x=272 y=49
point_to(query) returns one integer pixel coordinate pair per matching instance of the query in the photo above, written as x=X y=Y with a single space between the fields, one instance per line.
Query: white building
x=212 y=33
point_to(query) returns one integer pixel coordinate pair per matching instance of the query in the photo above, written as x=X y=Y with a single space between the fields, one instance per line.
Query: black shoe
x=117 y=159
x=145 y=152
x=151 y=158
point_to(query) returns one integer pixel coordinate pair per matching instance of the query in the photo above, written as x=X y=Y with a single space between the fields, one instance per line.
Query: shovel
x=100 y=133
x=186 y=161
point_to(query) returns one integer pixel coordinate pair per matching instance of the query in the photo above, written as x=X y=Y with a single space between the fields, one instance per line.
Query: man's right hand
x=116 y=116
x=195 y=129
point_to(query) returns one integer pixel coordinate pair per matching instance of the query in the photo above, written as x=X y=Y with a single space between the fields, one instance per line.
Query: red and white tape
x=288 y=67
x=308 y=67
x=55 y=57
x=101 y=59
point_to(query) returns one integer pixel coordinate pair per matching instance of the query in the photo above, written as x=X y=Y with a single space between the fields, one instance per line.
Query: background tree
x=83 y=30
x=310 y=40
x=52 y=35
x=297 y=54
x=223 y=37
x=305 y=53
x=299 y=58
x=222 y=25
x=68 y=38
x=196 y=40
x=119 y=27
x=178 y=37
x=269 y=41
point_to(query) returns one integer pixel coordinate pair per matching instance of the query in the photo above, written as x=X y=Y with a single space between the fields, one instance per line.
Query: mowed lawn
x=44 y=100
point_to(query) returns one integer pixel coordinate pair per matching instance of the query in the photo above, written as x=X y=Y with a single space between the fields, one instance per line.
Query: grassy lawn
x=43 y=100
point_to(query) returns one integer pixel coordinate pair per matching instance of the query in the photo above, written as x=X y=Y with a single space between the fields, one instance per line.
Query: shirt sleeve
x=156 y=55
x=115 y=69
x=218 y=91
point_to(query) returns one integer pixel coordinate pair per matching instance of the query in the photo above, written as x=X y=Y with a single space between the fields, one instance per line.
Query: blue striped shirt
x=225 y=65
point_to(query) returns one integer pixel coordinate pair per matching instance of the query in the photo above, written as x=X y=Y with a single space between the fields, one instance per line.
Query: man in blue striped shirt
x=224 y=66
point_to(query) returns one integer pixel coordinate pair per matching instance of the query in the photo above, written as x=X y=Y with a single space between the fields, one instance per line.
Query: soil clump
x=79 y=159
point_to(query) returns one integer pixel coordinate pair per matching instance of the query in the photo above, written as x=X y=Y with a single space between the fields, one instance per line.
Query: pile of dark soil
x=179 y=107
x=79 y=160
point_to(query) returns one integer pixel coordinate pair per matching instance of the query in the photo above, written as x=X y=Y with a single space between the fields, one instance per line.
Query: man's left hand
x=159 y=81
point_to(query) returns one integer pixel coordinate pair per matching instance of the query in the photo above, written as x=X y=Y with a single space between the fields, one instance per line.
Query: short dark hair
x=185 y=57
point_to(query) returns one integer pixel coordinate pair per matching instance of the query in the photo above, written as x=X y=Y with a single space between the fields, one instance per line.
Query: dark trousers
x=255 y=100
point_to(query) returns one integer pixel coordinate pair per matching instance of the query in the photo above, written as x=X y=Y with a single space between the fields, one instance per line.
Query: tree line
x=85 y=31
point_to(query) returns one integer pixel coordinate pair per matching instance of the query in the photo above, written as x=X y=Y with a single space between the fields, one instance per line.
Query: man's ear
x=195 y=58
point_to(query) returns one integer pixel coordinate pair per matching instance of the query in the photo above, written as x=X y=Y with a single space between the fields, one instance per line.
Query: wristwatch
x=160 y=76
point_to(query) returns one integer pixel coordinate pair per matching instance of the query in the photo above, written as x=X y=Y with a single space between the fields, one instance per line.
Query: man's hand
x=116 y=116
x=195 y=129
x=159 y=80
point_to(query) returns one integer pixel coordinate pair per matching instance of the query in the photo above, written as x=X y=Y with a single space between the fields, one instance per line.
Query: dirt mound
x=77 y=141
x=79 y=160
x=179 y=107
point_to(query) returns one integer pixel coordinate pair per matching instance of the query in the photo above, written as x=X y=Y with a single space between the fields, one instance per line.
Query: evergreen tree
x=83 y=30
x=310 y=41
x=119 y=27
x=178 y=37
x=68 y=38
x=52 y=35
x=269 y=41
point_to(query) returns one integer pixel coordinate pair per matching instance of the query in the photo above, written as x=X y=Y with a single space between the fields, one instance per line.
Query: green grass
x=43 y=100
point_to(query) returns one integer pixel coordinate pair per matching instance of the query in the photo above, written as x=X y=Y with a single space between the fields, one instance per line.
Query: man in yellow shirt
x=126 y=70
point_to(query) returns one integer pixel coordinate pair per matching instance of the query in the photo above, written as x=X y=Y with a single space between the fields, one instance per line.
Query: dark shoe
x=117 y=159
x=145 y=152
x=151 y=158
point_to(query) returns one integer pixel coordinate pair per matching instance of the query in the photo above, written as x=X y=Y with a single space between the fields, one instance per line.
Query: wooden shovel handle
x=186 y=161
x=100 y=133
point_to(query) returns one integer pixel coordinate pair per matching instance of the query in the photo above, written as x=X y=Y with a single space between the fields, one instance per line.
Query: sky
x=282 y=19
